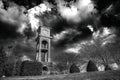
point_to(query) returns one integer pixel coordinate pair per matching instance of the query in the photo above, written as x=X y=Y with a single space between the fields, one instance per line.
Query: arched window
x=44 y=44
x=45 y=68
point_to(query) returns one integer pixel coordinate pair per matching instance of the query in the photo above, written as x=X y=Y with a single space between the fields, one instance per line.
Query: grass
x=108 y=75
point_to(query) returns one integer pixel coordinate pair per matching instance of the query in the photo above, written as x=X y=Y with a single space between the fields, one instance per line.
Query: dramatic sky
x=72 y=23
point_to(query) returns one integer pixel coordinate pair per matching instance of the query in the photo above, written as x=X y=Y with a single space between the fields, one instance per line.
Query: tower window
x=44 y=44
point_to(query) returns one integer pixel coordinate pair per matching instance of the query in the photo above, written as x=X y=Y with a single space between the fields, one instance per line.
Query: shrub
x=74 y=69
x=3 y=59
x=60 y=67
x=12 y=69
x=8 y=69
x=30 y=68
x=18 y=68
x=1 y=70
x=91 y=67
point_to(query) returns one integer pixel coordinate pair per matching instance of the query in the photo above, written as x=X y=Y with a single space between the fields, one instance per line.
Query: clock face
x=45 y=32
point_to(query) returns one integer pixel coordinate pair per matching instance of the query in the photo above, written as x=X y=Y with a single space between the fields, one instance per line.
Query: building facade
x=43 y=46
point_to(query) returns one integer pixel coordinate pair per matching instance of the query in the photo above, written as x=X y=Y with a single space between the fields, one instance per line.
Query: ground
x=108 y=75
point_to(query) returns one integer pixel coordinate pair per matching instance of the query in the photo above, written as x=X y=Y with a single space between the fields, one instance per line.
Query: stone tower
x=43 y=45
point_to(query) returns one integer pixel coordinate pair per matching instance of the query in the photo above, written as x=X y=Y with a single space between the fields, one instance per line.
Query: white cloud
x=73 y=50
x=76 y=11
x=91 y=28
x=60 y=36
x=38 y=10
x=104 y=33
x=14 y=15
x=25 y=58
x=1 y=4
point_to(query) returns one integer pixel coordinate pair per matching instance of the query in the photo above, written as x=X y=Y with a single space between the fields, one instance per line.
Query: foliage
x=17 y=68
x=97 y=51
x=91 y=67
x=8 y=70
x=74 y=69
x=30 y=68
x=12 y=68
x=107 y=67
x=2 y=60
x=61 y=66
x=66 y=59
x=115 y=51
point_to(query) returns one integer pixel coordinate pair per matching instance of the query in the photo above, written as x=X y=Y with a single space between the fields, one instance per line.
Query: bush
x=91 y=67
x=60 y=67
x=8 y=69
x=3 y=58
x=18 y=68
x=12 y=69
x=1 y=70
x=74 y=69
x=29 y=68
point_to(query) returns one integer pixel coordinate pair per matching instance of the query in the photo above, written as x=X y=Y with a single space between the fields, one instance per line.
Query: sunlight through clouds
x=37 y=11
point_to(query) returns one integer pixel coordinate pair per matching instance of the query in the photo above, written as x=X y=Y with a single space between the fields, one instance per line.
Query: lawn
x=108 y=75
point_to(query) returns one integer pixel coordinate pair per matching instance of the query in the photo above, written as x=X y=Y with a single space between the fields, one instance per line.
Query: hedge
x=31 y=68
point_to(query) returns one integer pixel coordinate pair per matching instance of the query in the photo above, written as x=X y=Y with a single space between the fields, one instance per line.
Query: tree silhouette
x=66 y=59
x=74 y=69
x=97 y=51
x=91 y=67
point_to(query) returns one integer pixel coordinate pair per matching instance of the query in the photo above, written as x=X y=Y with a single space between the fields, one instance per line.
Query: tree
x=2 y=60
x=114 y=49
x=61 y=66
x=107 y=67
x=91 y=67
x=96 y=51
x=74 y=69
x=66 y=59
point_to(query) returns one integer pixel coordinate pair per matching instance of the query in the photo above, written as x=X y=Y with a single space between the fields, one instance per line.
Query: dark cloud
x=13 y=23
x=8 y=30
x=110 y=20
x=15 y=30
x=25 y=48
x=76 y=32
x=109 y=11
x=103 y=4
x=26 y=3
x=73 y=37
x=60 y=24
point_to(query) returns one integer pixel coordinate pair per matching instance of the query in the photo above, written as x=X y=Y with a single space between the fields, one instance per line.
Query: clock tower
x=43 y=45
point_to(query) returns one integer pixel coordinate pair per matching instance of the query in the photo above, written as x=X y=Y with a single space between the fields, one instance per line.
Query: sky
x=72 y=23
